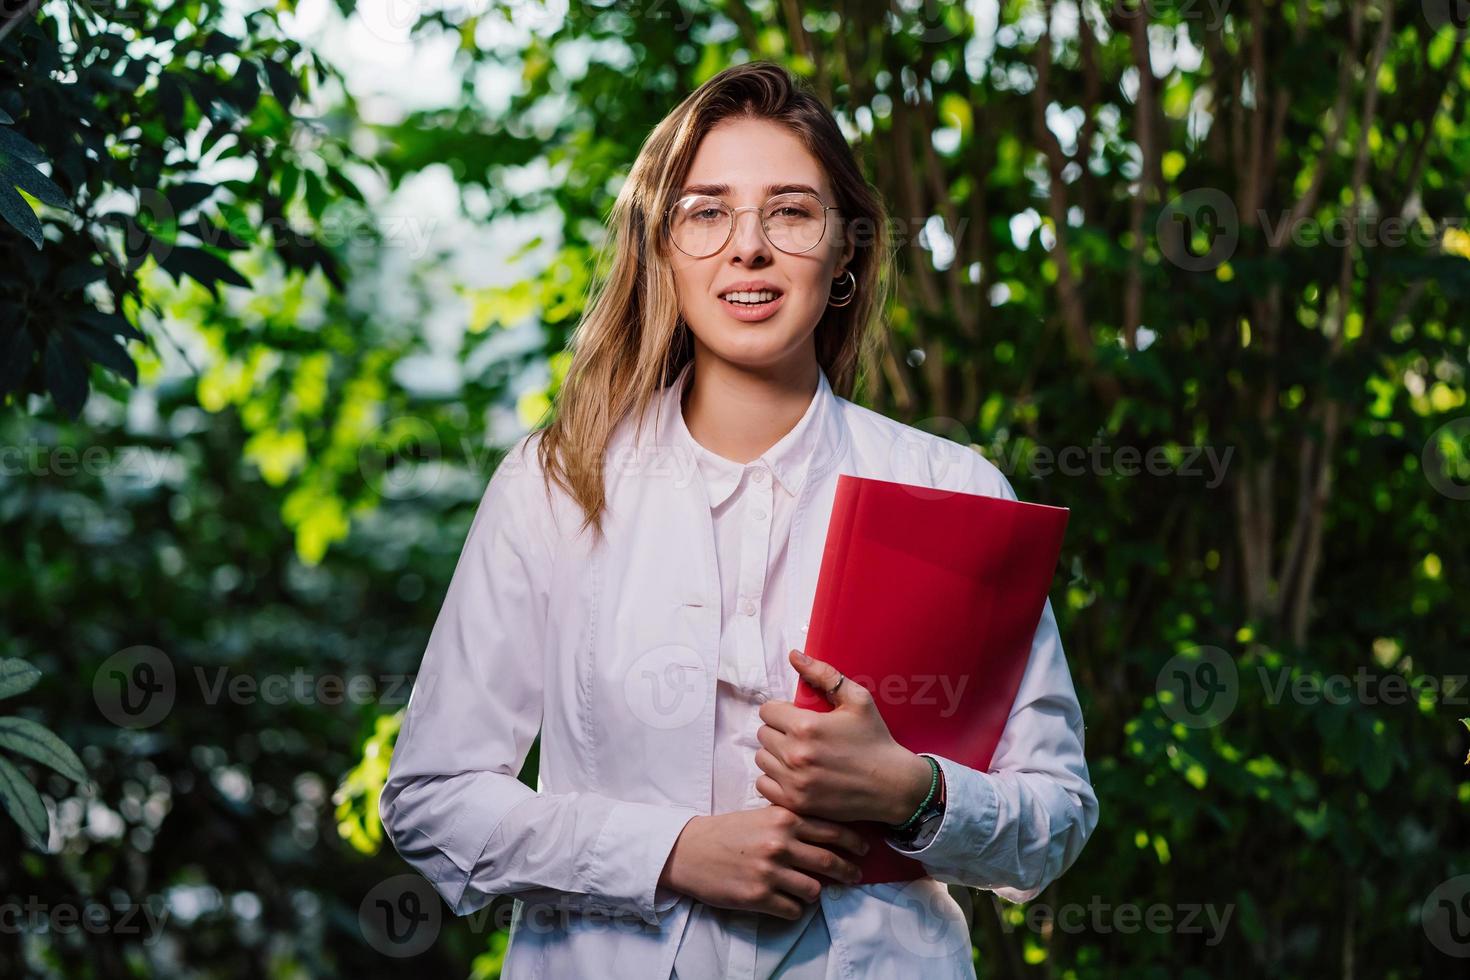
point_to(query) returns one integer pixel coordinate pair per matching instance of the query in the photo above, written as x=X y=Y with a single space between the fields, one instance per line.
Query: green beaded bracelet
x=933 y=786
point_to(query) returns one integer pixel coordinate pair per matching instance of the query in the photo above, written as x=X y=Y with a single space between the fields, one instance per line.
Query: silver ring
x=838 y=684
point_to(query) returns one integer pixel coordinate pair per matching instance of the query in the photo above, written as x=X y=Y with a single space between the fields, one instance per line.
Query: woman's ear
x=849 y=246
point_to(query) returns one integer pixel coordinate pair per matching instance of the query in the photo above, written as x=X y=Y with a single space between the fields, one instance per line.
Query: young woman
x=636 y=590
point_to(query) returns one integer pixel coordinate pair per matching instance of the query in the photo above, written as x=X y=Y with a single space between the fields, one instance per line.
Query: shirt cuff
x=630 y=853
x=970 y=813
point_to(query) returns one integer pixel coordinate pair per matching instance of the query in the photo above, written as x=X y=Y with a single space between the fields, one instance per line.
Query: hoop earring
x=851 y=289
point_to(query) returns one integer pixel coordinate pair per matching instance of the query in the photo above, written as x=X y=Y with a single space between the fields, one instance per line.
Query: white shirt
x=751 y=507
x=616 y=651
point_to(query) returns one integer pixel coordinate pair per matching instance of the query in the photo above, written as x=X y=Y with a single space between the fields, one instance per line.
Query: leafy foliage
x=34 y=742
x=134 y=108
x=1175 y=229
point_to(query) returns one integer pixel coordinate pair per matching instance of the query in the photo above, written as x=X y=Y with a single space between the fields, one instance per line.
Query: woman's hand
x=760 y=860
x=841 y=764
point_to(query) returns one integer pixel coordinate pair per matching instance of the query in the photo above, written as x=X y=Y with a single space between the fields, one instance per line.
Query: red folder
x=930 y=599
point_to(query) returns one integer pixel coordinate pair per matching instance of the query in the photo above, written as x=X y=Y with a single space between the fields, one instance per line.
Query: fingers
x=772 y=740
x=818 y=673
x=782 y=906
x=796 y=887
x=771 y=790
x=782 y=715
x=773 y=767
x=787 y=873
x=825 y=862
x=818 y=831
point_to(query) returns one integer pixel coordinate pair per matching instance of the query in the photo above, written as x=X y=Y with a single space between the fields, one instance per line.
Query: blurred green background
x=279 y=282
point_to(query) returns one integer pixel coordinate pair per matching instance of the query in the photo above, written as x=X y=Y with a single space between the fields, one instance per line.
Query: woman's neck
x=739 y=413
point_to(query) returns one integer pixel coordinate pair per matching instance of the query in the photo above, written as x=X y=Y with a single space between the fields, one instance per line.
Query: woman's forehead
x=749 y=156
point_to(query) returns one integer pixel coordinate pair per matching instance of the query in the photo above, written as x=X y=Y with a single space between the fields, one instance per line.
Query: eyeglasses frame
x=735 y=216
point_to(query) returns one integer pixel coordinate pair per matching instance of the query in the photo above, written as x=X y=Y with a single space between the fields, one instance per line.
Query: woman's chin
x=756 y=353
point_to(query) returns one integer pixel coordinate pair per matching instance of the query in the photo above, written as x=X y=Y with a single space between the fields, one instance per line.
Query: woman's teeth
x=753 y=299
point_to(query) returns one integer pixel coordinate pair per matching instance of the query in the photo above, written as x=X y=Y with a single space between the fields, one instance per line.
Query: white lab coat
x=611 y=652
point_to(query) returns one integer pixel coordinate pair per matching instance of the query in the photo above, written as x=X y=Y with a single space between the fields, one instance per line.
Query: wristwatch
x=923 y=829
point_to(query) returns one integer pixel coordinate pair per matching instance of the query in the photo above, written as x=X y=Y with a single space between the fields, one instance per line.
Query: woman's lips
x=750 y=313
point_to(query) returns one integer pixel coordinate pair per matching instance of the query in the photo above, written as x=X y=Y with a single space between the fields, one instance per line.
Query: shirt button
x=760 y=476
x=760 y=515
x=748 y=607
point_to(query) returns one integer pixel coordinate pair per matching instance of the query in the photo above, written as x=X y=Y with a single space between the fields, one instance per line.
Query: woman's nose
x=749 y=239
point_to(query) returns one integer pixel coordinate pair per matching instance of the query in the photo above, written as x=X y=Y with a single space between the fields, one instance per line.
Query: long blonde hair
x=632 y=341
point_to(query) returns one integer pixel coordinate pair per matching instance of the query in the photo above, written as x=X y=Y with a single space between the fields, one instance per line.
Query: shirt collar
x=789 y=459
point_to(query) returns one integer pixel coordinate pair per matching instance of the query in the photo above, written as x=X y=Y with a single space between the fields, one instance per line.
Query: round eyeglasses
x=700 y=226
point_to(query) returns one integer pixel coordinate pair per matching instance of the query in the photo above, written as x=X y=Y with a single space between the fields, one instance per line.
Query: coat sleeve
x=1018 y=827
x=452 y=803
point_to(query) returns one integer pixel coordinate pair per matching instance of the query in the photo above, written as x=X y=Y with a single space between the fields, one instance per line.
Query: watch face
x=924 y=826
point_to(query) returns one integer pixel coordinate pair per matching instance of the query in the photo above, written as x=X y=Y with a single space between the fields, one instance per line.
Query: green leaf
x=213 y=234
x=113 y=323
x=219 y=43
x=346 y=187
x=34 y=183
x=283 y=83
x=1374 y=761
x=316 y=194
x=16 y=351
x=17 y=677
x=78 y=276
x=25 y=737
x=290 y=178
x=17 y=145
x=186 y=196
x=204 y=267
x=17 y=211
x=247 y=86
x=170 y=96
x=102 y=348
x=1250 y=917
x=23 y=803
x=66 y=374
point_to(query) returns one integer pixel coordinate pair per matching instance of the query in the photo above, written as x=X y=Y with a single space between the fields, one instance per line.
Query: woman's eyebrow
x=720 y=190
